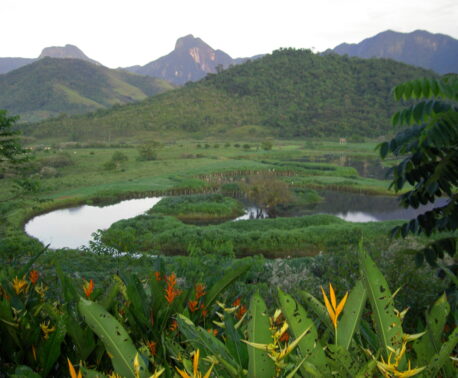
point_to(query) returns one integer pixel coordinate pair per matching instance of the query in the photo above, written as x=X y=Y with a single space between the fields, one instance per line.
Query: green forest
x=289 y=93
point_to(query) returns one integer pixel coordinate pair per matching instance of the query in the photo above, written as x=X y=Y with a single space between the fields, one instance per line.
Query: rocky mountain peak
x=67 y=51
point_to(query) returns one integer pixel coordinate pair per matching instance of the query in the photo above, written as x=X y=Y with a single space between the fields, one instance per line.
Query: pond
x=73 y=227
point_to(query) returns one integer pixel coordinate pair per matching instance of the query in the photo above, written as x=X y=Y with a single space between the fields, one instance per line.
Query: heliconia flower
x=284 y=338
x=88 y=288
x=195 y=368
x=334 y=310
x=200 y=291
x=240 y=312
x=157 y=275
x=46 y=329
x=170 y=291
x=19 y=285
x=72 y=371
x=193 y=306
x=152 y=347
x=173 y=325
x=212 y=330
x=204 y=310
x=33 y=276
x=389 y=368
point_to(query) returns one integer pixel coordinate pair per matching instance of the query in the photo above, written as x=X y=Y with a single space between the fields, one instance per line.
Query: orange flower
x=170 y=291
x=284 y=337
x=158 y=276
x=333 y=308
x=193 y=306
x=200 y=291
x=173 y=325
x=33 y=276
x=236 y=302
x=72 y=371
x=214 y=331
x=88 y=288
x=240 y=312
x=204 y=310
x=152 y=347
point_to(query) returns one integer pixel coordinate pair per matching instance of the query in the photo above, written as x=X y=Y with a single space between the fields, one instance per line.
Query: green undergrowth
x=279 y=237
x=199 y=207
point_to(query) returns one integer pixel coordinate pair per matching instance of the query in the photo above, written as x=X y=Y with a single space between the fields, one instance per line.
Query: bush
x=63 y=159
x=147 y=153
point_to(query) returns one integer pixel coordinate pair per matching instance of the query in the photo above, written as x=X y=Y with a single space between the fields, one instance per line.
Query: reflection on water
x=73 y=227
x=371 y=168
x=355 y=207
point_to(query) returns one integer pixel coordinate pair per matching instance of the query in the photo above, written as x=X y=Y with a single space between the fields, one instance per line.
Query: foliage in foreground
x=429 y=148
x=135 y=327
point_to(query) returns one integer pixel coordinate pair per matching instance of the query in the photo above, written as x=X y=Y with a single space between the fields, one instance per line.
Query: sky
x=121 y=33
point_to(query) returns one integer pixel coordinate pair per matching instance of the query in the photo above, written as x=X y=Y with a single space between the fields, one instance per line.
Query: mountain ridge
x=289 y=93
x=421 y=48
x=52 y=86
x=190 y=60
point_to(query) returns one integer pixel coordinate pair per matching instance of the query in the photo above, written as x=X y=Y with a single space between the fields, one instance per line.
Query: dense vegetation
x=199 y=207
x=288 y=93
x=52 y=87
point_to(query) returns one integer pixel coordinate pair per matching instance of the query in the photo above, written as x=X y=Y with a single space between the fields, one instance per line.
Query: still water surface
x=73 y=227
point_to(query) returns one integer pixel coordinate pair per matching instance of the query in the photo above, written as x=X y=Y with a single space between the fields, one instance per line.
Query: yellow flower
x=46 y=329
x=333 y=308
x=72 y=371
x=389 y=368
x=195 y=368
x=41 y=290
x=19 y=285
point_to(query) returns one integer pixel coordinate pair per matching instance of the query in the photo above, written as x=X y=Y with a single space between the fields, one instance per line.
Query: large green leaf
x=199 y=338
x=351 y=315
x=115 y=338
x=49 y=351
x=234 y=342
x=387 y=324
x=318 y=308
x=298 y=321
x=443 y=356
x=224 y=282
x=260 y=365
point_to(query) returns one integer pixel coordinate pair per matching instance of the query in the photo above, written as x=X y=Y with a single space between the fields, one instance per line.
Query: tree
x=429 y=149
x=266 y=193
x=11 y=150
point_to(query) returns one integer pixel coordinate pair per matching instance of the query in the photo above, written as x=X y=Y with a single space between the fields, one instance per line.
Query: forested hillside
x=290 y=93
x=50 y=87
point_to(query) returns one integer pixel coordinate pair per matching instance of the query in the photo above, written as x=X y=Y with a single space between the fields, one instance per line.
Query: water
x=354 y=207
x=73 y=227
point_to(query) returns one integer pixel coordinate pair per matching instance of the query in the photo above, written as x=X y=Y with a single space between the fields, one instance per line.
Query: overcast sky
x=120 y=33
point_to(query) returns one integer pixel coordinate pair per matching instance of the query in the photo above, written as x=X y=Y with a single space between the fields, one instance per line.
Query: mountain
x=191 y=60
x=49 y=87
x=289 y=93
x=67 y=51
x=10 y=64
x=438 y=52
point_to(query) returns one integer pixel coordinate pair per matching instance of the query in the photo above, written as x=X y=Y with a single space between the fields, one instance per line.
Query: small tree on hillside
x=429 y=149
x=11 y=150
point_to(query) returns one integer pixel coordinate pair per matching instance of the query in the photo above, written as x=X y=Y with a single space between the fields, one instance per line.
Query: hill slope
x=290 y=93
x=191 y=60
x=49 y=87
x=438 y=52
